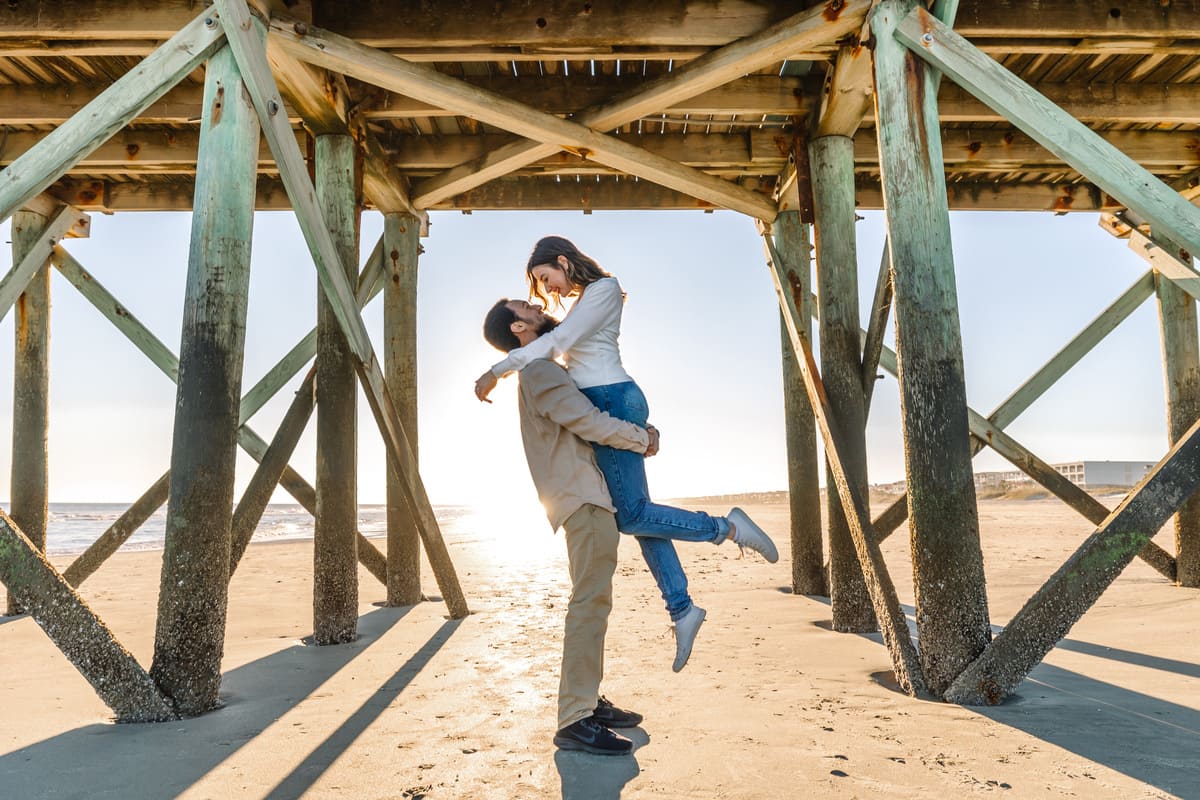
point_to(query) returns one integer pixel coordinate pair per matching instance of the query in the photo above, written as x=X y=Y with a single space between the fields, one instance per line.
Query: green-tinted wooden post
x=401 y=235
x=832 y=162
x=951 y=598
x=1181 y=364
x=804 y=491
x=192 y=599
x=335 y=560
x=31 y=392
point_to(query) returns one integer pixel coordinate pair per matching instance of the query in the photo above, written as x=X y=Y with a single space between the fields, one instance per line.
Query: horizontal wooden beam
x=588 y=194
x=750 y=96
x=566 y=26
x=669 y=22
x=760 y=152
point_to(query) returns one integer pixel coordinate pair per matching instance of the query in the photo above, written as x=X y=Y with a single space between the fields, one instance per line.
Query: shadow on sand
x=1151 y=740
x=588 y=777
x=106 y=761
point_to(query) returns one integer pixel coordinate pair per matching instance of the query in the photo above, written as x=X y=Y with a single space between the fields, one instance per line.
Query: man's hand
x=483 y=387
x=652 y=448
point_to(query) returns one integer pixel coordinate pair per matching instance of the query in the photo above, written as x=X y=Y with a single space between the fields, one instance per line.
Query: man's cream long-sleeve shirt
x=556 y=419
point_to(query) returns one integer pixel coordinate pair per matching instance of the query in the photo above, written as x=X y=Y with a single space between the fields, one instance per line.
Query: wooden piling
x=30 y=479
x=1181 y=365
x=804 y=491
x=335 y=561
x=832 y=163
x=951 y=599
x=192 y=598
x=401 y=234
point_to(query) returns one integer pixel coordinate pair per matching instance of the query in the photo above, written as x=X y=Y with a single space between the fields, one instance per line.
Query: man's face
x=533 y=316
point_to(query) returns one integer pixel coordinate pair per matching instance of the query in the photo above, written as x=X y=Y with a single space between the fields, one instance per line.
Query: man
x=556 y=419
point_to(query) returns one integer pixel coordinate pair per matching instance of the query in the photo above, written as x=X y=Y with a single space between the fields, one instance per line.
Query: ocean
x=72 y=527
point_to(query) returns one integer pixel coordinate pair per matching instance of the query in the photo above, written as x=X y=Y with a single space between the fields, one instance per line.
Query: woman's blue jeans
x=654 y=525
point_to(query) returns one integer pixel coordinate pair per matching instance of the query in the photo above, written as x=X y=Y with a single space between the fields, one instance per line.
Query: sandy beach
x=772 y=705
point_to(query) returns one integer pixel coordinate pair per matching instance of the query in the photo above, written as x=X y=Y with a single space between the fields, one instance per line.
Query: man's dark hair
x=497 y=327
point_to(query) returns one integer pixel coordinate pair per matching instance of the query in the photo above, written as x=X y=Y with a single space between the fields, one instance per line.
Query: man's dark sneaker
x=590 y=736
x=608 y=714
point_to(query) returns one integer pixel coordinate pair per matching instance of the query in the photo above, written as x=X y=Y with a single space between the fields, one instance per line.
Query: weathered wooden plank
x=1102 y=163
x=335 y=566
x=154 y=153
x=952 y=612
x=425 y=83
x=118 y=532
x=832 y=163
x=1149 y=102
x=743 y=56
x=402 y=247
x=112 y=110
x=800 y=427
x=262 y=483
x=76 y=630
x=600 y=193
x=34 y=253
x=1082 y=344
x=881 y=308
x=29 y=484
x=480 y=23
x=190 y=633
x=131 y=151
x=333 y=281
x=1076 y=586
x=752 y=95
x=893 y=624
x=1047 y=476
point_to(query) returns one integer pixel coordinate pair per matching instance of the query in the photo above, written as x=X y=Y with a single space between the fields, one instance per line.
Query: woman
x=587 y=340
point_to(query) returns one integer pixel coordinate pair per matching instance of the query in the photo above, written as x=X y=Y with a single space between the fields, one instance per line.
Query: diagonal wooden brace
x=111 y=110
x=892 y=622
x=252 y=61
x=21 y=274
x=162 y=357
x=1076 y=586
x=75 y=629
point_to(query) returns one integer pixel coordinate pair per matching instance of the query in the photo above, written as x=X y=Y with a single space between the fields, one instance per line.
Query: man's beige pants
x=592 y=537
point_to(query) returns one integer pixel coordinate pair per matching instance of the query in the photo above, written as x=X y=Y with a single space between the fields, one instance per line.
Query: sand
x=772 y=705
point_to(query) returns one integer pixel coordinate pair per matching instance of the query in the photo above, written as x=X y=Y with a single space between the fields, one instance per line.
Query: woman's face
x=553 y=280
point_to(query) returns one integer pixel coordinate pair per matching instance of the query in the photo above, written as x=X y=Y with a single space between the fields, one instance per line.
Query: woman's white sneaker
x=685 y=635
x=747 y=534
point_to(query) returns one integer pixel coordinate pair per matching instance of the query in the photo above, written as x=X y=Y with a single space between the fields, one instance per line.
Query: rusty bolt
x=300 y=28
x=927 y=38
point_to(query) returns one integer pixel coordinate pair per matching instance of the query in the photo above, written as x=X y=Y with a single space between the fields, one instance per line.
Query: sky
x=700 y=335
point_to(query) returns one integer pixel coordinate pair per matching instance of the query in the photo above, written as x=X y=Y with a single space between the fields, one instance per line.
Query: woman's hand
x=483 y=387
x=652 y=448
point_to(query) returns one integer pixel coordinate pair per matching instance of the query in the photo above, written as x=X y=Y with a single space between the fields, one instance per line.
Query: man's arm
x=553 y=395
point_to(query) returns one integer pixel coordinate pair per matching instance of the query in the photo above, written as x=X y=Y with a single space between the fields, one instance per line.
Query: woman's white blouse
x=586 y=337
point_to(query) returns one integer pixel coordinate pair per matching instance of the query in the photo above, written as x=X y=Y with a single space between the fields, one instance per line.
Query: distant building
x=1081 y=473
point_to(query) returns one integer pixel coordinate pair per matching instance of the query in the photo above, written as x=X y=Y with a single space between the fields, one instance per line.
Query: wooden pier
x=793 y=114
